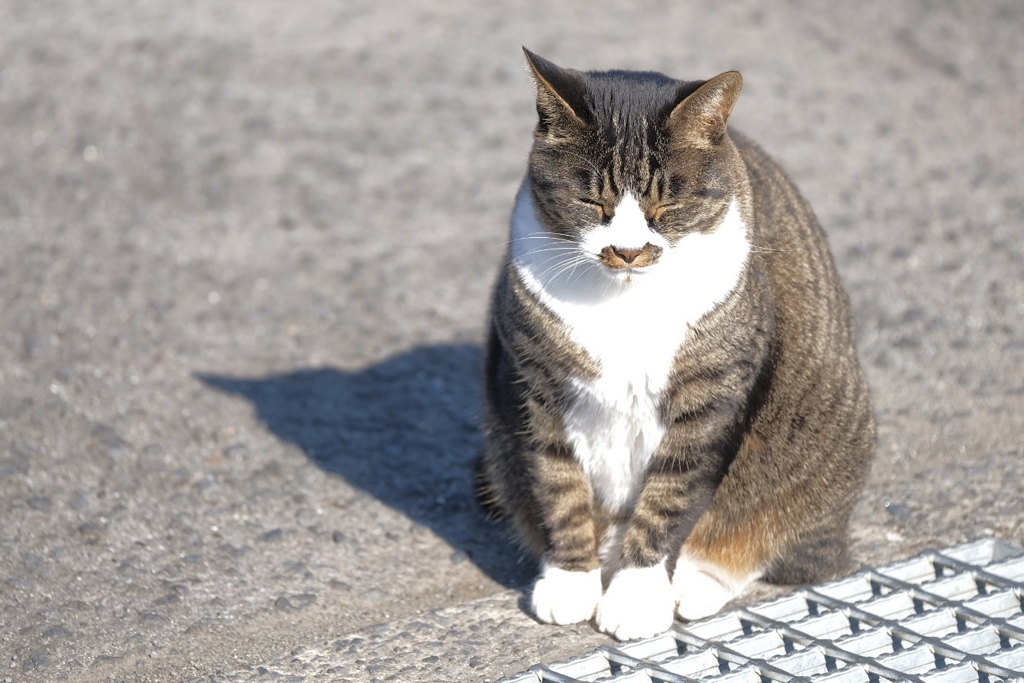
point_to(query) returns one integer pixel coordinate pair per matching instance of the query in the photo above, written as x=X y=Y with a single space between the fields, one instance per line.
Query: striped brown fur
x=768 y=427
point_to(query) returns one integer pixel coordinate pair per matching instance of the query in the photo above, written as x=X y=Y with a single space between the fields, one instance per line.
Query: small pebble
x=91 y=533
x=272 y=535
x=39 y=503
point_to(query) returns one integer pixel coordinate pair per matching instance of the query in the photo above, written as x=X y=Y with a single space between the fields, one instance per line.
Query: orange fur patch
x=742 y=546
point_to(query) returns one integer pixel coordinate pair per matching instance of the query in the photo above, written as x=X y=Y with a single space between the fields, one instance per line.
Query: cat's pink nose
x=620 y=257
x=627 y=255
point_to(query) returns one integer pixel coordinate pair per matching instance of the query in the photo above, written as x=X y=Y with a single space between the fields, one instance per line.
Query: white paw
x=637 y=604
x=701 y=590
x=564 y=597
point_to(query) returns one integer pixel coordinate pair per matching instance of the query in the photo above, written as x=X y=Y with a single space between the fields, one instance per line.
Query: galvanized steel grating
x=946 y=616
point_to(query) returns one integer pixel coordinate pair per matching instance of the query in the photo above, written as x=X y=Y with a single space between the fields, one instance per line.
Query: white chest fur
x=632 y=325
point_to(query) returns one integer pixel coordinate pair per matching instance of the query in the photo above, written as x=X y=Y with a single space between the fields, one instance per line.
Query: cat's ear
x=699 y=118
x=561 y=94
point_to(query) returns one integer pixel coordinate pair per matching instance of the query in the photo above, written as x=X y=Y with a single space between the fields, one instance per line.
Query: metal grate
x=947 y=616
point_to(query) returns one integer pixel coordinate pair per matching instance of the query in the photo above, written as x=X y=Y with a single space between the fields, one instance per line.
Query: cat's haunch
x=674 y=407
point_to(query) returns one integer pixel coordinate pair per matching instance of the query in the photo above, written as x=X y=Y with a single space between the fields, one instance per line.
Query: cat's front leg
x=640 y=601
x=569 y=586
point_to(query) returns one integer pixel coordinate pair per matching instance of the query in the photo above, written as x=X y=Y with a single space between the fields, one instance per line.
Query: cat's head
x=628 y=164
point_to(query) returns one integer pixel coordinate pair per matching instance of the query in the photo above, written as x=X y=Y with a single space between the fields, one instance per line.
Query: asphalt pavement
x=245 y=256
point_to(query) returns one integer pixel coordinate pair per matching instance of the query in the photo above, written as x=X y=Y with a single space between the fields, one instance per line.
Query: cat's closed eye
x=604 y=211
x=655 y=214
x=667 y=211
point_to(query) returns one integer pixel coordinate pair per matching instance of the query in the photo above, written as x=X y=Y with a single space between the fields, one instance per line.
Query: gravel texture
x=245 y=254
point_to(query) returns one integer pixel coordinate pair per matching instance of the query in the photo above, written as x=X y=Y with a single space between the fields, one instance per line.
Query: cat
x=673 y=407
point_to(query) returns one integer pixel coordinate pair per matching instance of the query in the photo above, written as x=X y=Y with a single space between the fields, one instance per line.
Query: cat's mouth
x=630 y=260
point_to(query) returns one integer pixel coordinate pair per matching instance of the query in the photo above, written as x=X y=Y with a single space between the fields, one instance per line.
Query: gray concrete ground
x=245 y=252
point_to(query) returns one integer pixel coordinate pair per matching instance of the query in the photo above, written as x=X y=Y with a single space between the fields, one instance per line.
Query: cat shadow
x=404 y=430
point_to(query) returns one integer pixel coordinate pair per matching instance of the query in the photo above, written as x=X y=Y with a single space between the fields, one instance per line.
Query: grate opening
x=949 y=616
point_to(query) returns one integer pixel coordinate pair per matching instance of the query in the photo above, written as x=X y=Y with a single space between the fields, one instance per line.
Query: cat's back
x=790 y=246
x=817 y=376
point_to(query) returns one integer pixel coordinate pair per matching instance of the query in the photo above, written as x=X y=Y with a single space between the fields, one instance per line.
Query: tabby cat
x=674 y=406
